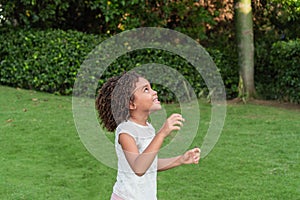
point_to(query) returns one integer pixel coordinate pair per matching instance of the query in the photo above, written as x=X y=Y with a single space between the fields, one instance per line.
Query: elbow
x=139 y=171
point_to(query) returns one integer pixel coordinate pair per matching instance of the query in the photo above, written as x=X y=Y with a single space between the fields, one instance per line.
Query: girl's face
x=145 y=99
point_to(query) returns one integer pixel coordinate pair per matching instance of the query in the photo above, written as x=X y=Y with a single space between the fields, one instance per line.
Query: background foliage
x=43 y=43
x=286 y=75
x=49 y=61
x=43 y=60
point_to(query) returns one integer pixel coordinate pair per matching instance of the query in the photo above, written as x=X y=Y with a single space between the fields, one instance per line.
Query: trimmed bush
x=43 y=60
x=49 y=60
x=285 y=64
x=227 y=64
x=277 y=70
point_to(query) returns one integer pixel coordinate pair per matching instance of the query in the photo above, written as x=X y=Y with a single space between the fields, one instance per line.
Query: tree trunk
x=244 y=33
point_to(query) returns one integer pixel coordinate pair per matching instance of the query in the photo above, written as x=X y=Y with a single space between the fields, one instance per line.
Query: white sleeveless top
x=129 y=186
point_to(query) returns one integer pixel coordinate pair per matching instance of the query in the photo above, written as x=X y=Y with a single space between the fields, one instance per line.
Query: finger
x=178 y=123
x=195 y=153
x=177 y=117
x=197 y=150
x=196 y=161
x=176 y=128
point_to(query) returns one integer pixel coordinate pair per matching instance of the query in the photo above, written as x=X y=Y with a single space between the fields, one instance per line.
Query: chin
x=155 y=108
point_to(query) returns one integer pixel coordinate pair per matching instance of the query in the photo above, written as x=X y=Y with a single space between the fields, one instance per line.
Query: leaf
x=9 y=120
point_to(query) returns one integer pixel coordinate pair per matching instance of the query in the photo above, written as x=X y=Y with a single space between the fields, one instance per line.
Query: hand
x=174 y=122
x=191 y=157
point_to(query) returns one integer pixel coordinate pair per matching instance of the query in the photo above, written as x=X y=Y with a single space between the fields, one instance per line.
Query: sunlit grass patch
x=257 y=155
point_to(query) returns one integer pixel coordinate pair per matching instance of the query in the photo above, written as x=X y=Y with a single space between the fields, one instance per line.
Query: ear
x=132 y=106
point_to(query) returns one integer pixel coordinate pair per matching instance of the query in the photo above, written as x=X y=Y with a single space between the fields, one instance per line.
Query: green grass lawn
x=42 y=157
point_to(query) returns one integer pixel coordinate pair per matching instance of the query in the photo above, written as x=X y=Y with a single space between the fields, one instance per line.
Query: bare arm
x=190 y=157
x=140 y=162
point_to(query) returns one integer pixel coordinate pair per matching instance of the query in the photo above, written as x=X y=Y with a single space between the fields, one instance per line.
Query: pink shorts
x=115 y=197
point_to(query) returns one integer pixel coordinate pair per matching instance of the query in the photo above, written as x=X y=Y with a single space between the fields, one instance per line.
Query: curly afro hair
x=112 y=102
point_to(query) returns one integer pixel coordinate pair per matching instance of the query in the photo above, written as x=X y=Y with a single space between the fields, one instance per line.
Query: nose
x=154 y=92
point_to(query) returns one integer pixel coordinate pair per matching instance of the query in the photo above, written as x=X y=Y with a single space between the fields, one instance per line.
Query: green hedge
x=49 y=60
x=226 y=61
x=277 y=73
x=285 y=64
x=43 y=60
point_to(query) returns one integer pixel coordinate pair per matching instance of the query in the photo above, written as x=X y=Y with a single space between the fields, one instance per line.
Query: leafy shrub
x=49 y=61
x=107 y=17
x=285 y=66
x=277 y=70
x=264 y=75
x=160 y=57
x=226 y=63
x=43 y=60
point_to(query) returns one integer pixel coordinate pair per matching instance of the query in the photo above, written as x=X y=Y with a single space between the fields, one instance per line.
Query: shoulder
x=126 y=127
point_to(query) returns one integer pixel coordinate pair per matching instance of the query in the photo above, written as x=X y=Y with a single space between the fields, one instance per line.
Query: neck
x=139 y=118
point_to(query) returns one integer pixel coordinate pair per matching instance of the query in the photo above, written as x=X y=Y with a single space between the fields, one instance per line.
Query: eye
x=146 y=89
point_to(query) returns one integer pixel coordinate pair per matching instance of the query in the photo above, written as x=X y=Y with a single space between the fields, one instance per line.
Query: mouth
x=155 y=100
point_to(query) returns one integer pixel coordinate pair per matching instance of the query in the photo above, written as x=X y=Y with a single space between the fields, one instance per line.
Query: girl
x=124 y=104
